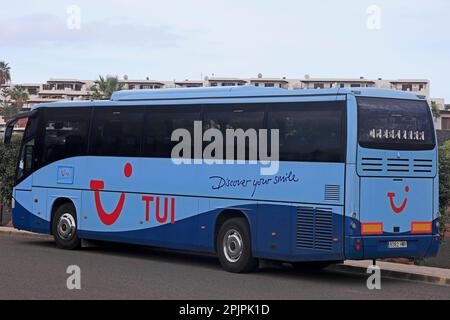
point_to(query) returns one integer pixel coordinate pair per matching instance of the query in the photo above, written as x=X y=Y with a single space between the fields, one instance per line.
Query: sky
x=190 y=39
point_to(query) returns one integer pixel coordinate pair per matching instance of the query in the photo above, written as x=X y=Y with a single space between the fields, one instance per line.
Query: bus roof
x=219 y=93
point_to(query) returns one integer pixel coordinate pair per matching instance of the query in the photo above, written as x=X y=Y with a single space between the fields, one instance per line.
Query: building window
x=319 y=86
x=269 y=85
x=445 y=123
x=407 y=87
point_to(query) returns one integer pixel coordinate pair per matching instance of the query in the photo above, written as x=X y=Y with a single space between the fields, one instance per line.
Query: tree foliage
x=435 y=109
x=8 y=162
x=444 y=183
x=13 y=101
x=17 y=97
x=7 y=110
x=5 y=73
x=105 y=87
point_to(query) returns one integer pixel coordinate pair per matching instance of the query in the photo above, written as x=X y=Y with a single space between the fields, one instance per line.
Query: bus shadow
x=207 y=261
x=139 y=252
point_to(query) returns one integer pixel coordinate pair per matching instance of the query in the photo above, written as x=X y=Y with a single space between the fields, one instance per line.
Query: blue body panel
x=162 y=204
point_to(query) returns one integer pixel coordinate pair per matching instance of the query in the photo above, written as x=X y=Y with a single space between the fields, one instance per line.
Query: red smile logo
x=396 y=209
x=98 y=185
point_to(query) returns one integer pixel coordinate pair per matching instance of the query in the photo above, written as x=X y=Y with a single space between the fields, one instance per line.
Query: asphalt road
x=33 y=268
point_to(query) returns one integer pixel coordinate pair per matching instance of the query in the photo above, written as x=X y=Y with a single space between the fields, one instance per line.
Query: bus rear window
x=394 y=124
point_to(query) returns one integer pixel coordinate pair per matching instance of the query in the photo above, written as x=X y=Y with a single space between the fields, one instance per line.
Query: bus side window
x=117 y=132
x=233 y=117
x=161 y=122
x=309 y=132
x=65 y=134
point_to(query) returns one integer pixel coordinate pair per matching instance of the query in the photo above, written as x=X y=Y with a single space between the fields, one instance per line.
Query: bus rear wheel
x=64 y=227
x=234 y=246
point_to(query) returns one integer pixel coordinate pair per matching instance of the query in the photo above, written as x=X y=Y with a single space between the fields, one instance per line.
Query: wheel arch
x=58 y=202
x=225 y=215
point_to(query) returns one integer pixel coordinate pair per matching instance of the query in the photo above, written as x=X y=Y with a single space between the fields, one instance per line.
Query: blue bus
x=357 y=176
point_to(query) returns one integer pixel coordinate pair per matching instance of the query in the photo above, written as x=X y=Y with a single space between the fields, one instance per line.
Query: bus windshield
x=394 y=124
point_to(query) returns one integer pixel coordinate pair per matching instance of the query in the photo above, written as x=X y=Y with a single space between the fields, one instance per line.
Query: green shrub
x=8 y=163
x=444 y=183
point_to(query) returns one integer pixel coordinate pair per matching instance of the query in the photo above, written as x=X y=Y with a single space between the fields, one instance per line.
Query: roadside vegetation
x=8 y=162
x=105 y=86
x=444 y=184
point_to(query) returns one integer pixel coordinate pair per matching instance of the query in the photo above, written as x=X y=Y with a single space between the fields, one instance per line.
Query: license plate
x=398 y=244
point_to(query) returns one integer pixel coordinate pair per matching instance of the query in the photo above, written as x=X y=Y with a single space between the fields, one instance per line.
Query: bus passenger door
x=26 y=206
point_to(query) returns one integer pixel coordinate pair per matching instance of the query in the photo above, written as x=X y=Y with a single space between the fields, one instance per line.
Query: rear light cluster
x=358 y=245
x=421 y=227
x=376 y=228
x=372 y=228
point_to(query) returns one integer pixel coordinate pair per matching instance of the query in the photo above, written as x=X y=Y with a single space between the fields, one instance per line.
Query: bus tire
x=64 y=227
x=234 y=246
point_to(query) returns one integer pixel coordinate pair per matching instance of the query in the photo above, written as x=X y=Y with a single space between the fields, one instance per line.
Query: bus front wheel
x=234 y=246
x=64 y=227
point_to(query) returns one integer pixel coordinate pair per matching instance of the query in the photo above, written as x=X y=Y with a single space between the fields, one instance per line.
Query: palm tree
x=5 y=73
x=18 y=95
x=7 y=110
x=435 y=109
x=105 y=87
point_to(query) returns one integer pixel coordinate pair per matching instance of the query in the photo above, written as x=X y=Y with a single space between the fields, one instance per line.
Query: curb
x=401 y=275
x=11 y=231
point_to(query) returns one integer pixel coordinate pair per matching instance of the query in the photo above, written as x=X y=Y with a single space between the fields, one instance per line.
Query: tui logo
x=98 y=185
x=402 y=207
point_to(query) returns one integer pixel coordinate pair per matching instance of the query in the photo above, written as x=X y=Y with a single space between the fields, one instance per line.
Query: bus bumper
x=23 y=219
x=377 y=247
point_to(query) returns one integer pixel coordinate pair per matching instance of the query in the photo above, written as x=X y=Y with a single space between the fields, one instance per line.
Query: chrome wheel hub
x=66 y=226
x=232 y=245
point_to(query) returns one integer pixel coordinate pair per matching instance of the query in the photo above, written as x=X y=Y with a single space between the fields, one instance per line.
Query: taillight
x=421 y=227
x=358 y=245
x=371 y=228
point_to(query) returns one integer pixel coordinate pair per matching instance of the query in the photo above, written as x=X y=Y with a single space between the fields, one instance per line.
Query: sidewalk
x=400 y=271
